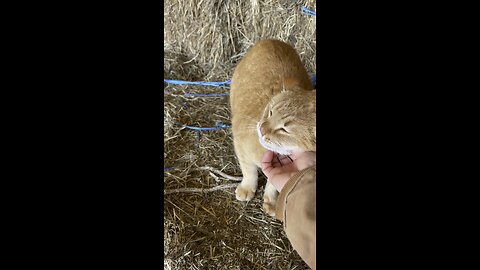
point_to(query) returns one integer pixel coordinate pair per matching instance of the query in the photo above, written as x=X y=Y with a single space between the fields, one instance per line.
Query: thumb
x=267 y=156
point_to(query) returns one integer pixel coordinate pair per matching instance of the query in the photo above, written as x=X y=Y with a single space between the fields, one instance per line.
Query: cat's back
x=261 y=73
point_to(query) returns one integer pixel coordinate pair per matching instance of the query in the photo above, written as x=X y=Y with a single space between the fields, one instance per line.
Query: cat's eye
x=284 y=130
x=270 y=113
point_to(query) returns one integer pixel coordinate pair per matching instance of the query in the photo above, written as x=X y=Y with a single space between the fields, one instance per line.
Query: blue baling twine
x=308 y=12
x=218 y=125
x=205 y=95
x=219 y=84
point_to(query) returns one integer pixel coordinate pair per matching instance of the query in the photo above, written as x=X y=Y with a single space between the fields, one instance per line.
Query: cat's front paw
x=244 y=193
x=269 y=205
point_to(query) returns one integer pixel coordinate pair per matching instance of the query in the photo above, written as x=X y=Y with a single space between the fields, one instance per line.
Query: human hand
x=279 y=168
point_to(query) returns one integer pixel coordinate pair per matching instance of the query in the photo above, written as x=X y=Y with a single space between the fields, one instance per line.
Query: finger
x=267 y=162
x=267 y=168
x=284 y=160
x=277 y=157
x=296 y=155
x=270 y=157
x=267 y=156
x=275 y=160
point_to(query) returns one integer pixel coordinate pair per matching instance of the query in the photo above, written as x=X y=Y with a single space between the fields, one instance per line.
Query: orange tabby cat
x=273 y=107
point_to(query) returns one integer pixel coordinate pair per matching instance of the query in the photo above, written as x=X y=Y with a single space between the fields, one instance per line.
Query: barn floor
x=203 y=42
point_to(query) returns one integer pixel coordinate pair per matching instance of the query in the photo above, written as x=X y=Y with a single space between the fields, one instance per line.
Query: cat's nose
x=263 y=129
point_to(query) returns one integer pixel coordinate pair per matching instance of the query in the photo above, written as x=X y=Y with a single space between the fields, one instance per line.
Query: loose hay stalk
x=233 y=178
x=198 y=190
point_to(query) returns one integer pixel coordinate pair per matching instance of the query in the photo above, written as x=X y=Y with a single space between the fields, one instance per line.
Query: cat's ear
x=289 y=83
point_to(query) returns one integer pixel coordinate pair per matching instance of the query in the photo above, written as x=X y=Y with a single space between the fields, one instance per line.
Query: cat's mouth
x=282 y=150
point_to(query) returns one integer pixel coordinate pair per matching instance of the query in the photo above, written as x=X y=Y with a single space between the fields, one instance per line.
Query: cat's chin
x=277 y=149
x=283 y=152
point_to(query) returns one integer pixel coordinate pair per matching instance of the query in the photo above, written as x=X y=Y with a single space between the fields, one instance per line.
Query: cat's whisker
x=252 y=127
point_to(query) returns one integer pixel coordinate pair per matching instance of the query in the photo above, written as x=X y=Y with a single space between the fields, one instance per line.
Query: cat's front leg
x=270 y=199
x=246 y=190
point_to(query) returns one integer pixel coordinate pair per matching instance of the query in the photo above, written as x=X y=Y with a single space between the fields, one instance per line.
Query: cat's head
x=288 y=122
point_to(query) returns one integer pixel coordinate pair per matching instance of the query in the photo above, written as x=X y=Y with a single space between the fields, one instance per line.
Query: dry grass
x=203 y=42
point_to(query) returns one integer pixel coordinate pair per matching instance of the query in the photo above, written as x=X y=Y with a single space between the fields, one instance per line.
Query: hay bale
x=204 y=40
